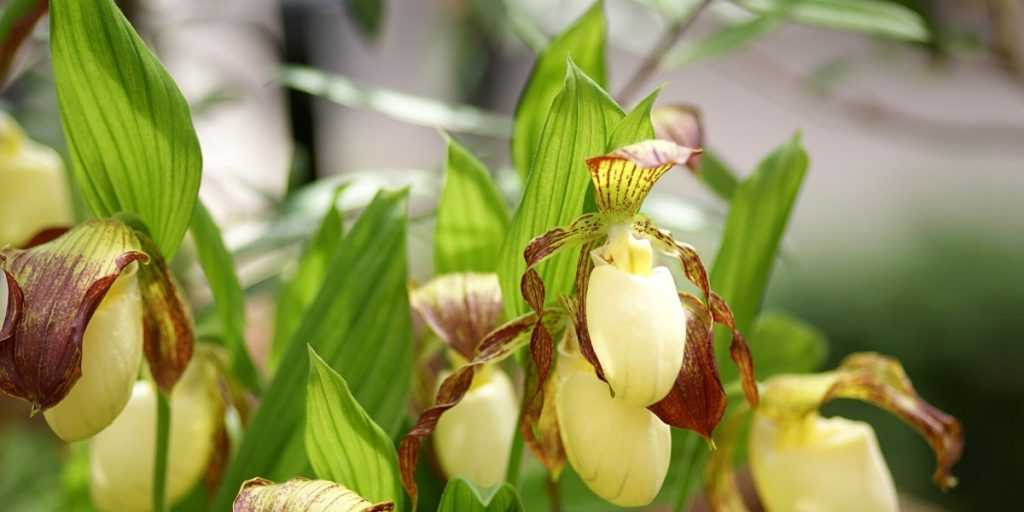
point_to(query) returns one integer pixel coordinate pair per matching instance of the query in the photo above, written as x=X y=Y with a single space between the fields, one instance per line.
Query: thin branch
x=652 y=62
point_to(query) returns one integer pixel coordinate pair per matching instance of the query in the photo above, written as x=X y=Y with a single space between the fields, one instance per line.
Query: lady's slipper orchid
x=81 y=308
x=478 y=401
x=260 y=495
x=635 y=318
x=33 y=189
x=482 y=423
x=804 y=462
x=620 y=450
x=122 y=458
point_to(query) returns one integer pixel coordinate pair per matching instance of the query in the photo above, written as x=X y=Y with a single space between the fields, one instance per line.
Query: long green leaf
x=342 y=441
x=878 y=17
x=582 y=118
x=758 y=216
x=472 y=217
x=360 y=324
x=228 y=299
x=127 y=126
x=403 y=107
x=636 y=126
x=782 y=343
x=584 y=43
x=717 y=176
x=300 y=289
x=462 y=496
x=366 y=14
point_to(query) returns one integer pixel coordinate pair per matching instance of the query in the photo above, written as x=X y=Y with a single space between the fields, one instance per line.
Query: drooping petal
x=878 y=380
x=460 y=308
x=697 y=400
x=11 y=302
x=299 y=494
x=719 y=311
x=62 y=283
x=623 y=178
x=167 y=322
x=681 y=124
x=496 y=346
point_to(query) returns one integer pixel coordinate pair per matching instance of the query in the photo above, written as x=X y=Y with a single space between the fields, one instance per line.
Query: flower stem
x=515 y=459
x=652 y=61
x=163 y=434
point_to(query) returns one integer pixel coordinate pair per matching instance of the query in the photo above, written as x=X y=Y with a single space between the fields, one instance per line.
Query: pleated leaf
x=342 y=441
x=580 y=122
x=472 y=217
x=360 y=324
x=462 y=496
x=127 y=126
x=228 y=299
x=584 y=43
x=877 y=17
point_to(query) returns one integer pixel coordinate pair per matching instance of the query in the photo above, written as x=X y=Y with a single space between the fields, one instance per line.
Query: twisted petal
x=166 y=321
x=681 y=124
x=496 y=346
x=623 y=178
x=460 y=308
x=301 y=495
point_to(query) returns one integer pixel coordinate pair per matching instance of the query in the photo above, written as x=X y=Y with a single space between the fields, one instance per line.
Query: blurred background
x=907 y=238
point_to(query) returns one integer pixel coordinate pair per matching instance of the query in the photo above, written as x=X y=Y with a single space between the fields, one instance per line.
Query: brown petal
x=498 y=345
x=882 y=381
x=460 y=308
x=697 y=400
x=539 y=423
x=623 y=178
x=62 y=283
x=682 y=124
x=578 y=308
x=167 y=322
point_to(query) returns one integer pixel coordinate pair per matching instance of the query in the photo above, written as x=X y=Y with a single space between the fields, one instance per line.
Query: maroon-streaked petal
x=697 y=400
x=539 y=422
x=497 y=345
x=682 y=124
x=882 y=381
x=460 y=308
x=45 y=235
x=623 y=178
x=166 y=320
x=62 y=283
x=262 y=495
x=578 y=308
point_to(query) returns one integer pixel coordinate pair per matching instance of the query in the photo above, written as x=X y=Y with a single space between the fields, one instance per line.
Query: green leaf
x=636 y=126
x=582 y=118
x=462 y=496
x=17 y=20
x=878 y=17
x=360 y=324
x=472 y=217
x=342 y=441
x=584 y=43
x=403 y=107
x=727 y=39
x=127 y=126
x=782 y=343
x=717 y=176
x=300 y=289
x=228 y=299
x=366 y=14
x=758 y=216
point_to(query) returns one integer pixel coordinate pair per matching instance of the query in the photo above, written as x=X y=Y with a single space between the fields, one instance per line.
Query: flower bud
x=635 y=319
x=33 y=191
x=260 y=495
x=815 y=463
x=473 y=440
x=620 y=451
x=122 y=455
x=111 y=354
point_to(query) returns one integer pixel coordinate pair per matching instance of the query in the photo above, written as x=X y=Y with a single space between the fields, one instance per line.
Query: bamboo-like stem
x=163 y=435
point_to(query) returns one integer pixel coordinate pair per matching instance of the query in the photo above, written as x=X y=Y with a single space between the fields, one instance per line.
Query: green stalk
x=163 y=439
x=515 y=459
